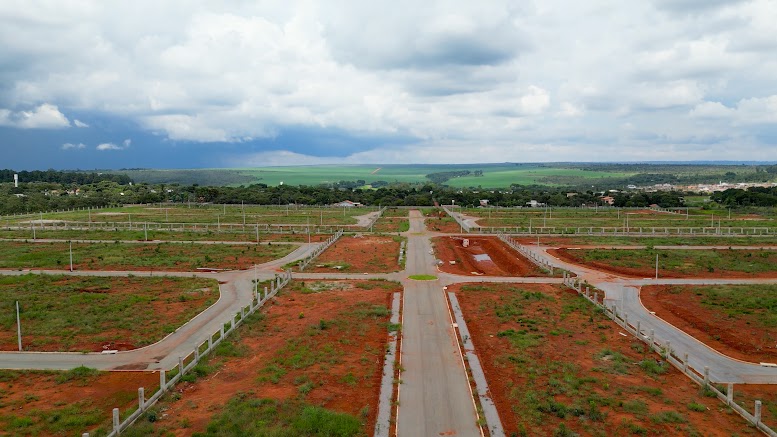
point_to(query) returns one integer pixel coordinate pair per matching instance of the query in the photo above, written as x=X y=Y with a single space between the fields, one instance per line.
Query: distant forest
x=63 y=177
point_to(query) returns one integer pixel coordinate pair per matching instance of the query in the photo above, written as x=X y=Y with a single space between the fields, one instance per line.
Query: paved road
x=624 y=293
x=434 y=397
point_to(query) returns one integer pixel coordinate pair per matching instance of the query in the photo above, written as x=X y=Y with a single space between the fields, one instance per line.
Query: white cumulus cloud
x=45 y=116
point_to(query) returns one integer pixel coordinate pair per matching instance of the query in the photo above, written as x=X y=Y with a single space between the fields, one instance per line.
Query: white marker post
x=71 y=256
x=656 y=266
x=18 y=326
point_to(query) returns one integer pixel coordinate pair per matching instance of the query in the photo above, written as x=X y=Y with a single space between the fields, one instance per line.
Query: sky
x=87 y=84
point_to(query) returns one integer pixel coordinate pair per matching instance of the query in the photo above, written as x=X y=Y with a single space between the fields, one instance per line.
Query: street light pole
x=656 y=266
x=71 y=256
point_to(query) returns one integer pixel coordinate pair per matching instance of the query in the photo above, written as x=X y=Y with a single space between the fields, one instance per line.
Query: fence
x=542 y=263
x=329 y=241
x=185 y=364
x=665 y=350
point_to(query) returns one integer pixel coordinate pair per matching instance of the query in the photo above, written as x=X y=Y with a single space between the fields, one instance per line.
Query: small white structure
x=16 y=180
x=465 y=243
x=347 y=204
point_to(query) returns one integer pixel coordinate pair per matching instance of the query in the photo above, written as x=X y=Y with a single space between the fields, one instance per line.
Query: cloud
x=71 y=146
x=45 y=116
x=446 y=76
x=112 y=146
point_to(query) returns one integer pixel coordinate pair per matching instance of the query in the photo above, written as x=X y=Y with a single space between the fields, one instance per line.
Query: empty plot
x=481 y=256
x=137 y=256
x=359 y=254
x=67 y=403
x=677 y=263
x=314 y=352
x=737 y=320
x=92 y=314
x=557 y=366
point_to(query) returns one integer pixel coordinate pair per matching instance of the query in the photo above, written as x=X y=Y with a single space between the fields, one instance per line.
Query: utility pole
x=656 y=266
x=71 y=256
x=18 y=326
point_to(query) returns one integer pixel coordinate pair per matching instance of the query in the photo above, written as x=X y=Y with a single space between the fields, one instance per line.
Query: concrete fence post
x=626 y=321
x=196 y=354
x=162 y=380
x=587 y=291
x=757 y=413
x=685 y=363
x=651 y=338
x=210 y=342
x=180 y=366
x=668 y=349
x=596 y=297
x=221 y=332
x=116 y=424
x=639 y=331
x=141 y=398
x=706 y=375
x=730 y=393
x=265 y=293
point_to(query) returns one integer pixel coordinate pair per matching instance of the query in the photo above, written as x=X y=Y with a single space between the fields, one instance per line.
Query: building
x=347 y=204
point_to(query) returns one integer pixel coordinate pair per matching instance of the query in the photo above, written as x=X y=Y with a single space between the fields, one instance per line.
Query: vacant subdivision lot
x=237 y=235
x=557 y=366
x=393 y=220
x=737 y=320
x=481 y=256
x=310 y=360
x=34 y=403
x=676 y=263
x=92 y=314
x=359 y=254
x=137 y=256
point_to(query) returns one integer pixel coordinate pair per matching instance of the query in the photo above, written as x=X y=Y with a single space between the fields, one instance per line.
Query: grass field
x=210 y=214
x=619 y=217
x=65 y=313
x=138 y=256
x=494 y=175
x=679 y=262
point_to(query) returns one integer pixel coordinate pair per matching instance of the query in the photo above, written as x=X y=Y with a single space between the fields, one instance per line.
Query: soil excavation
x=739 y=337
x=556 y=366
x=320 y=342
x=481 y=256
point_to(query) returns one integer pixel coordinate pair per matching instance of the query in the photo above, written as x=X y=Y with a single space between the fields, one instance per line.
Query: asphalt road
x=434 y=397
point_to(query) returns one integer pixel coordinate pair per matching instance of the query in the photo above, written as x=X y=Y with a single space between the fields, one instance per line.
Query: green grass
x=494 y=175
x=423 y=277
x=685 y=262
x=126 y=256
x=247 y=415
x=757 y=303
x=59 y=311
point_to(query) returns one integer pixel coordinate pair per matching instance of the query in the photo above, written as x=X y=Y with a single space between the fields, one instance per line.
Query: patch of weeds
x=81 y=375
x=670 y=416
x=699 y=408
x=636 y=407
x=653 y=367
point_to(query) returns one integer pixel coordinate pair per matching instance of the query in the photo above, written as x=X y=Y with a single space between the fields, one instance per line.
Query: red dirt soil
x=39 y=391
x=504 y=260
x=364 y=254
x=647 y=272
x=292 y=316
x=578 y=343
x=734 y=337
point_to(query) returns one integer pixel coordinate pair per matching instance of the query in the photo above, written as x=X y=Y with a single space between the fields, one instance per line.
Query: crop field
x=737 y=320
x=137 y=256
x=677 y=263
x=36 y=403
x=618 y=217
x=493 y=175
x=66 y=313
x=557 y=366
x=310 y=364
